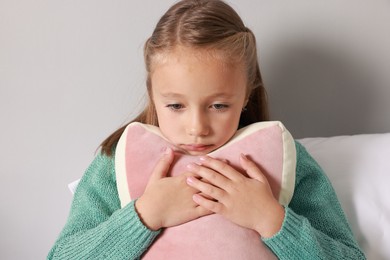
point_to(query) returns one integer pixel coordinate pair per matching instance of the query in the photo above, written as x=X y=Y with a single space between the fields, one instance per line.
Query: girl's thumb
x=162 y=167
x=251 y=169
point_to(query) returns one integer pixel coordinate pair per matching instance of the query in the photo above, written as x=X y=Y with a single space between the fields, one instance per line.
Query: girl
x=204 y=83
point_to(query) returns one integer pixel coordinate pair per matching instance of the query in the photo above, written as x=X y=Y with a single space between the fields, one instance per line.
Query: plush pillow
x=359 y=168
x=269 y=144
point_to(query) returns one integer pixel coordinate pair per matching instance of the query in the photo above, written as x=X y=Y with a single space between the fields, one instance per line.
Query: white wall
x=72 y=71
x=326 y=65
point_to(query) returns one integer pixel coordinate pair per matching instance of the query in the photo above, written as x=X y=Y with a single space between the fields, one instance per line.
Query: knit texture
x=314 y=227
x=97 y=228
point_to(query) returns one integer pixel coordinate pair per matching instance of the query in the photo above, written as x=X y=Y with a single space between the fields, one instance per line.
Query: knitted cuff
x=288 y=235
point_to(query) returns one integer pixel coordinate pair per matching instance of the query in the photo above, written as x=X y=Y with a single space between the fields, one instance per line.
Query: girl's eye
x=219 y=106
x=175 y=106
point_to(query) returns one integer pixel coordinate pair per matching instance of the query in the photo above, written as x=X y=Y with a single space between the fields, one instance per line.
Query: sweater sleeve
x=97 y=228
x=315 y=226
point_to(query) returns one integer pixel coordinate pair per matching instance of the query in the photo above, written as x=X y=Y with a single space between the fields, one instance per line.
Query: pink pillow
x=269 y=144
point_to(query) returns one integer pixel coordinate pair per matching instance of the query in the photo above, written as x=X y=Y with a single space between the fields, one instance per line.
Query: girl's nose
x=198 y=125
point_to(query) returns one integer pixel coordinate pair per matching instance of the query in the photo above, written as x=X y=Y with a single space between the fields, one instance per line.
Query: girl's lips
x=196 y=147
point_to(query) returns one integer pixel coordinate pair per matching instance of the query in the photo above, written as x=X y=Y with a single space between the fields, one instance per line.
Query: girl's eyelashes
x=217 y=107
x=175 y=107
x=220 y=107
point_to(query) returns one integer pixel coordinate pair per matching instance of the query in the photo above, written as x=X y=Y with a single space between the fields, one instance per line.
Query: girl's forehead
x=195 y=74
x=181 y=53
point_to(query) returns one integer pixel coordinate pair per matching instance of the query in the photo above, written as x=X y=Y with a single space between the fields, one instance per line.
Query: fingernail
x=190 y=180
x=191 y=166
x=243 y=156
x=196 y=198
x=168 y=150
x=203 y=158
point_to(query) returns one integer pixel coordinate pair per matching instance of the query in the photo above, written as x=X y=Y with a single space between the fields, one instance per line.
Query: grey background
x=71 y=72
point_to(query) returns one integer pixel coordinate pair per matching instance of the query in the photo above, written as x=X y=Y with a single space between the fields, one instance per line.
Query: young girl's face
x=198 y=100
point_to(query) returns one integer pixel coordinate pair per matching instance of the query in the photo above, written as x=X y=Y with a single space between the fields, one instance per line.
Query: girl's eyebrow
x=222 y=95
x=216 y=95
x=171 y=95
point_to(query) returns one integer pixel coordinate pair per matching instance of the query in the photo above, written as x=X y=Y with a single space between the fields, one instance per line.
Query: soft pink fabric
x=210 y=237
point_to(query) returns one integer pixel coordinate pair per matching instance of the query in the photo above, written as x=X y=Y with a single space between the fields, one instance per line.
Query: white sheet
x=359 y=169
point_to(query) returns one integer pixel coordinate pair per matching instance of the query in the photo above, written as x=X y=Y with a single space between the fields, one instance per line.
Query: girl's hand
x=167 y=201
x=248 y=202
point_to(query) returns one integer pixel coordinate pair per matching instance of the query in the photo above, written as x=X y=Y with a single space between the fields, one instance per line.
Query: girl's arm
x=314 y=226
x=97 y=227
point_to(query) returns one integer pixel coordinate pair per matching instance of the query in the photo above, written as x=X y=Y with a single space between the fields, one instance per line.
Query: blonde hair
x=205 y=25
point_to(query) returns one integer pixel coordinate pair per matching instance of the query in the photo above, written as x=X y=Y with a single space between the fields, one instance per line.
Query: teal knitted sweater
x=97 y=228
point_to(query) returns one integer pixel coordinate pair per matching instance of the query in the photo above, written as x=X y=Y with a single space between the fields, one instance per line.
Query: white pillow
x=359 y=168
x=73 y=185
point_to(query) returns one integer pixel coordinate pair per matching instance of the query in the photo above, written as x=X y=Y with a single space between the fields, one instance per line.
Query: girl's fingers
x=221 y=167
x=162 y=167
x=252 y=169
x=211 y=191
x=207 y=204
x=210 y=175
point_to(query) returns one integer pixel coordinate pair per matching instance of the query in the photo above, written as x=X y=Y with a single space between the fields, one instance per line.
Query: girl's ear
x=243 y=108
x=245 y=103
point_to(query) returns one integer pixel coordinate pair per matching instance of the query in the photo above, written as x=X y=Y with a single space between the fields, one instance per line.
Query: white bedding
x=359 y=169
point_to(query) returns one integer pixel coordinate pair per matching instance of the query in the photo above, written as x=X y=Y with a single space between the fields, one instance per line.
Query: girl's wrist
x=273 y=223
x=140 y=210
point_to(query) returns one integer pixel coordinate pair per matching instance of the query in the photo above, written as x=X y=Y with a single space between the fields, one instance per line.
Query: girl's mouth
x=196 y=147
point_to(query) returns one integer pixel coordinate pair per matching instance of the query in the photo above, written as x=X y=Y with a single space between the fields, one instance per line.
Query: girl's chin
x=197 y=153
